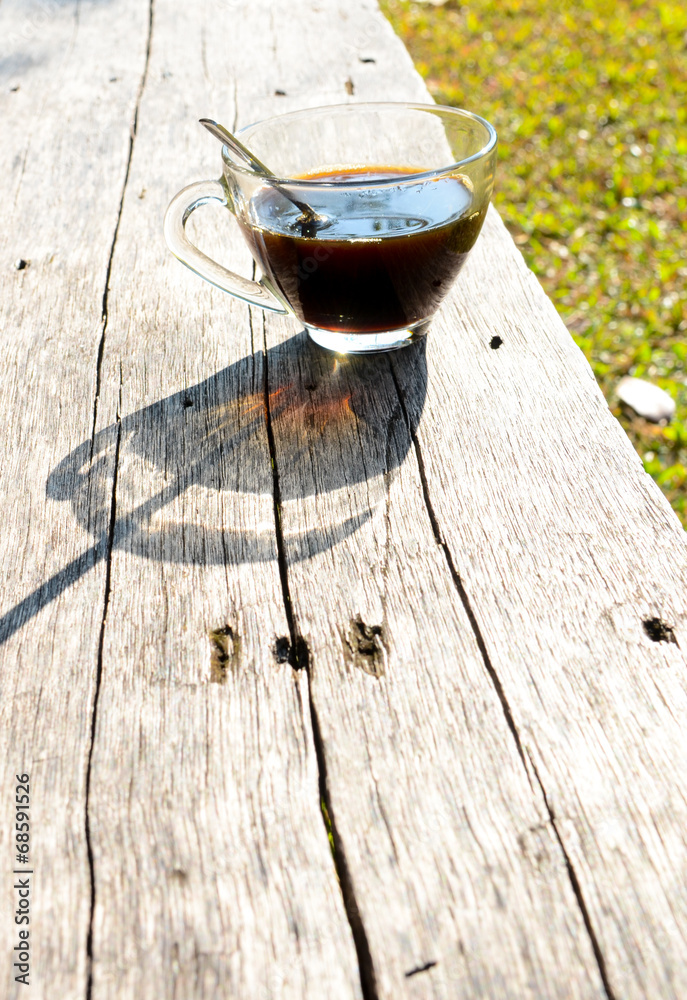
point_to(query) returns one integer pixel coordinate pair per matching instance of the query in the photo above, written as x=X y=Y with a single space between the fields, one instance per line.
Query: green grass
x=590 y=102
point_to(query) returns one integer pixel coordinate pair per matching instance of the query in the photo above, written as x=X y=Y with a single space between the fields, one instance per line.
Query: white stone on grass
x=647 y=400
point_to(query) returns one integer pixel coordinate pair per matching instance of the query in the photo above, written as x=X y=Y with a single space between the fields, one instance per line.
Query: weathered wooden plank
x=211 y=861
x=573 y=562
x=444 y=845
x=213 y=871
x=527 y=536
x=452 y=861
x=63 y=160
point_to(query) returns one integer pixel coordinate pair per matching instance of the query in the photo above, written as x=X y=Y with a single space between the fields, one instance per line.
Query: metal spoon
x=309 y=221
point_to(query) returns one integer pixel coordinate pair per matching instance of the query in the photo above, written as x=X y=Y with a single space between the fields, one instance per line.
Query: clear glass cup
x=369 y=217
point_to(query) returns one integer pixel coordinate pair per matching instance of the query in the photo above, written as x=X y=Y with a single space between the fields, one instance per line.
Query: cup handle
x=182 y=204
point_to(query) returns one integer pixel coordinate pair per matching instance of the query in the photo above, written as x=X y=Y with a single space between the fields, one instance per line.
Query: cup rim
x=490 y=144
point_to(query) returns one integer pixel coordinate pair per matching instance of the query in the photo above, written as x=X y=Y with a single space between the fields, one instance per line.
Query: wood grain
x=443 y=843
x=597 y=702
x=259 y=598
x=63 y=161
x=213 y=871
x=451 y=859
x=553 y=490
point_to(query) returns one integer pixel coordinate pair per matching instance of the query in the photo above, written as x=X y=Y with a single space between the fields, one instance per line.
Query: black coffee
x=386 y=258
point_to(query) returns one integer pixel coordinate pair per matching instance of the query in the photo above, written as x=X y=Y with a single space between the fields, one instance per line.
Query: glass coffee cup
x=395 y=196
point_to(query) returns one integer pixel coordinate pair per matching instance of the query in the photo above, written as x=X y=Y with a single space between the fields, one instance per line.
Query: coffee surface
x=385 y=258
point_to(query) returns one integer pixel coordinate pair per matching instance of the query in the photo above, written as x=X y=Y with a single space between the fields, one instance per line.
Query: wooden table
x=333 y=678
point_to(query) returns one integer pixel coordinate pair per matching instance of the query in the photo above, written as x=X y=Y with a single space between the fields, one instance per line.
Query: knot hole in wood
x=364 y=643
x=297 y=654
x=224 y=652
x=659 y=631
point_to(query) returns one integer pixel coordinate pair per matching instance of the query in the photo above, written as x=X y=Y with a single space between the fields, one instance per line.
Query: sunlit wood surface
x=333 y=678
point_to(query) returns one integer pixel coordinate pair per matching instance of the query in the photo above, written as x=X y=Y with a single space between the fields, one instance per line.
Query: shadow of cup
x=338 y=429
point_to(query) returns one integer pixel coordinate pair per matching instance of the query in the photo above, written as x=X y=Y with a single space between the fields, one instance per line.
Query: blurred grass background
x=589 y=98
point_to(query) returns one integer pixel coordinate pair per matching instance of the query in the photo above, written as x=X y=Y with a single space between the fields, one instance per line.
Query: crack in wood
x=298 y=654
x=572 y=876
x=112 y=523
x=458 y=583
x=367 y=973
x=276 y=496
x=108 y=270
x=420 y=968
x=94 y=715
x=577 y=889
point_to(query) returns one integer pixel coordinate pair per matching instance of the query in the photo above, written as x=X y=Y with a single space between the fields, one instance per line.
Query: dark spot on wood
x=297 y=655
x=21 y=264
x=179 y=874
x=300 y=654
x=495 y=343
x=659 y=631
x=142 y=193
x=437 y=283
x=366 y=59
x=282 y=649
x=364 y=643
x=420 y=968
x=350 y=87
x=310 y=387
x=113 y=79
x=367 y=643
x=224 y=650
x=187 y=402
x=280 y=93
x=13 y=90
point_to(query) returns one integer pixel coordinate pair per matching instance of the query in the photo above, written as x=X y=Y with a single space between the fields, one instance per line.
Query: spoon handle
x=236 y=147
x=310 y=221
